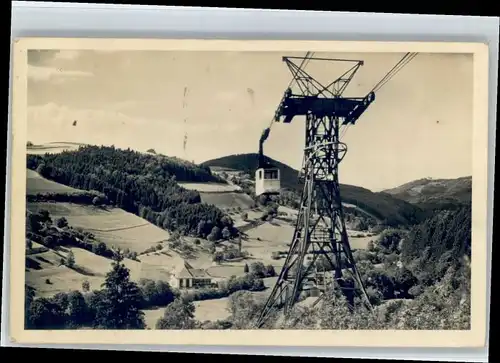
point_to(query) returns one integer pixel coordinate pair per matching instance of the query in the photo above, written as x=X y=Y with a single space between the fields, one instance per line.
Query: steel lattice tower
x=320 y=228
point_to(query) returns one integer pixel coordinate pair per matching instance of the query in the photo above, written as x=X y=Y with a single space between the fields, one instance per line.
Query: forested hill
x=388 y=209
x=142 y=184
x=439 y=242
x=435 y=191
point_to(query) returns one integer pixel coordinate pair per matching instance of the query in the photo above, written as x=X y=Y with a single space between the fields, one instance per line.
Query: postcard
x=306 y=193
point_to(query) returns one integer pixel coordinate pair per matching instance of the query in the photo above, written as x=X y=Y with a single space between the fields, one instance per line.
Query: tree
x=263 y=199
x=78 y=313
x=175 y=236
x=61 y=222
x=226 y=221
x=243 y=308
x=362 y=225
x=99 y=248
x=157 y=293
x=389 y=240
x=34 y=222
x=258 y=269
x=70 y=259
x=44 y=314
x=29 y=244
x=165 y=295
x=323 y=264
x=178 y=315
x=200 y=229
x=41 y=169
x=86 y=286
x=246 y=269
x=97 y=201
x=218 y=257
x=270 y=272
x=215 y=234
x=49 y=241
x=226 y=233
x=61 y=300
x=121 y=300
x=29 y=295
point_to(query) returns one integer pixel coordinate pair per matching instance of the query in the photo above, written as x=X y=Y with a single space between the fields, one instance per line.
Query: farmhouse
x=190 y=277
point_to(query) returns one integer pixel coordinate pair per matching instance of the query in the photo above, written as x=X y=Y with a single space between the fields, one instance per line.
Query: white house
x=189 y=278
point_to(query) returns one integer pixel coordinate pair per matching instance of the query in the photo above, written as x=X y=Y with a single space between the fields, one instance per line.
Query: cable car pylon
x=320 y=228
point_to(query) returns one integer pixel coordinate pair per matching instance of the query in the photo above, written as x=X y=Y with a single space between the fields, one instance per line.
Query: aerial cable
x=403 y=62
x=407 y=58
x=390 y=71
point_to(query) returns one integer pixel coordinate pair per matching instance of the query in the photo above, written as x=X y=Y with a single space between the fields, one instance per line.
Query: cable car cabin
x=267 y=181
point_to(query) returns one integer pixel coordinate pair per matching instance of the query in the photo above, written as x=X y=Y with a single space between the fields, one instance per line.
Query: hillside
x=112 y=226
x=142 y=184
x=434 y=191
x=387 y=209
x=36 y=184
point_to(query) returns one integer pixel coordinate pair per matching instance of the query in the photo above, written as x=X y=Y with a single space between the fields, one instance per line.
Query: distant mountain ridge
x=388 y=209
x=434 y=191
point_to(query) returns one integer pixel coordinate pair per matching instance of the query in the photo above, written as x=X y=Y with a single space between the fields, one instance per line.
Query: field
x=210 y=187
x=361 y=243
x=45 y=264
x=52 y=148
x=228 y=200
x=88 y=266
x=113 y=226
x=36 y=184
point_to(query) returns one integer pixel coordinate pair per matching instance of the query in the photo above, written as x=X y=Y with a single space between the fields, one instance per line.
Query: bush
x=248 y=282
x=156 y=293
x=218 y=257
x=178 y=315
x=61 y=222
x=259 y=270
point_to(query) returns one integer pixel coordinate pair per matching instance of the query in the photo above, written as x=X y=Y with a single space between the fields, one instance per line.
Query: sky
x=419 y=126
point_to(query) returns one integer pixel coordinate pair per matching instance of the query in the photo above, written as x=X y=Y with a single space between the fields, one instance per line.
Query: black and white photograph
x=245 y=189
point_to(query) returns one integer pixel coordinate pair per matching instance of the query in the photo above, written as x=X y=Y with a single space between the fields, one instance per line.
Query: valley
x=215 y=225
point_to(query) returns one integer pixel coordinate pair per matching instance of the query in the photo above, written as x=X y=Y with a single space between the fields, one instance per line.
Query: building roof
x=189 y=272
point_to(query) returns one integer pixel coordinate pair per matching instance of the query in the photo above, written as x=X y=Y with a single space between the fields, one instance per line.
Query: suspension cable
x=407 y=58
x=390 y=71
